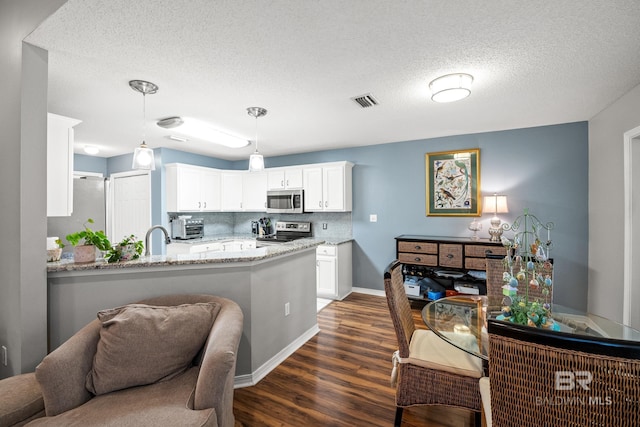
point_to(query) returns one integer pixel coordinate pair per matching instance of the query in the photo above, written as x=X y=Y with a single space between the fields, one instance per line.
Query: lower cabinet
x=334 y=270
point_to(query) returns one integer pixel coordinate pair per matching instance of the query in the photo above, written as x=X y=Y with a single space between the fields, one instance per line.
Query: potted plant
x=129 y=248
x=85 y=243
x=54 y=254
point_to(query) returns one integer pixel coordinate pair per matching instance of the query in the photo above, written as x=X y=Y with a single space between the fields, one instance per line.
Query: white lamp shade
x=452 y=87
x=495 y=204
x=143 y=158
x=256 y=162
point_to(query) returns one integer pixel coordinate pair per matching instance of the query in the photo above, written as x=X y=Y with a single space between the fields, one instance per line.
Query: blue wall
x=544 y=169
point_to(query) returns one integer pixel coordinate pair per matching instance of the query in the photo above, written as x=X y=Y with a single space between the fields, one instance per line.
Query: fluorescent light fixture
x=201 y=130
x=91 y=150
x=451 y=87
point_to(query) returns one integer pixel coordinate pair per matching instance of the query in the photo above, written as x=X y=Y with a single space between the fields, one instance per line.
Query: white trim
x=80 y=174
x=376 y=292
x=253 y=378
x=628 y=224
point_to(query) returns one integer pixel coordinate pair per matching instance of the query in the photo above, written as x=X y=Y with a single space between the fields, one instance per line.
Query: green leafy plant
x=89 y=237
x=59 y=243
x=128 y=248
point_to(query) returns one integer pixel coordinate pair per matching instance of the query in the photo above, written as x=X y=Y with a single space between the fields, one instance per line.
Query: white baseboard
x=253 y=378
x=376 y=292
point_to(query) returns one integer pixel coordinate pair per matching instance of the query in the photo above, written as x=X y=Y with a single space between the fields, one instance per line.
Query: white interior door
x=131 y=205
x=631 y=314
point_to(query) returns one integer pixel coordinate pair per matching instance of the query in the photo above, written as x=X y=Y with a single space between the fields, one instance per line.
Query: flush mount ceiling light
x=143 y=156
x=91 y=150
x=201 y=130
x=256 y=161
x=452 y=87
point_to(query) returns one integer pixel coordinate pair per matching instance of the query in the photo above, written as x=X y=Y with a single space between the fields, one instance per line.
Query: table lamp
x=495 y=204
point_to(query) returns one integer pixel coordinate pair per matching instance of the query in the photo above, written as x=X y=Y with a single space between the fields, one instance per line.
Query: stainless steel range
x=287 y=231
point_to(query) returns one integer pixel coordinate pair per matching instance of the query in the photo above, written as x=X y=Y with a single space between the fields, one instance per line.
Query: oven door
x=285 y=201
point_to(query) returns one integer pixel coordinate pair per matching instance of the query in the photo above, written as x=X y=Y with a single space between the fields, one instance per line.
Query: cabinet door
x=326 y=276
x=313 y=201
x=333 y=188
x=254 y=191
x=188 y=190
x=210 y=191
x=60 y=165
x=275 y=179
x=293 y=178
x=232 y=192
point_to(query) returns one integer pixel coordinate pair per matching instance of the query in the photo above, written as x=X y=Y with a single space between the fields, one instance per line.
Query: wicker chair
x=427 y=370
x=540 y=377
x=495 y=269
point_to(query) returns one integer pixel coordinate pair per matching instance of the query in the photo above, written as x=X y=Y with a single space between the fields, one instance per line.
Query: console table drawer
x=418 y=247
x=475 y=263
x=450 y=255
x=481 y=251
x=415 y=258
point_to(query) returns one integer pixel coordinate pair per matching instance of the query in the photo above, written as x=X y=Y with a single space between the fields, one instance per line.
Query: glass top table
x=462 y=321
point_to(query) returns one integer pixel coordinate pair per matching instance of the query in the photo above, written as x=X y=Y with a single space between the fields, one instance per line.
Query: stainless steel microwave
x=285 y=201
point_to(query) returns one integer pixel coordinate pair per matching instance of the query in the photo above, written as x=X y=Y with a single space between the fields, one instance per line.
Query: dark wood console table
x=447 y=260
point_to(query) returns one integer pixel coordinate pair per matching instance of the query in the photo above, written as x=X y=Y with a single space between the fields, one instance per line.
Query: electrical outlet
x=4 y=355
x=324 y=225
x=373 y=218
x=287 y=309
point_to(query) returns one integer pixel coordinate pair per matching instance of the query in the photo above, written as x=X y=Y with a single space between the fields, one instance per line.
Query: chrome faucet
x=167 y=239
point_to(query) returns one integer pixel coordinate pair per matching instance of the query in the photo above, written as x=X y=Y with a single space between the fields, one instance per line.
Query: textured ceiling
x=535 y=63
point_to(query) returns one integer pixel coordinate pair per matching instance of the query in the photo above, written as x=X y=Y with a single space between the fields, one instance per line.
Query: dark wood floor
x=340 y=377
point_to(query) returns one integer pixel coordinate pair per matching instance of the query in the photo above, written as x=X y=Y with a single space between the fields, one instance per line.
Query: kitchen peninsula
x=274 y=285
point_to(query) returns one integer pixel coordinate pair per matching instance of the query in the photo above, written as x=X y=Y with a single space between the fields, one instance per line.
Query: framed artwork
x=453 y=183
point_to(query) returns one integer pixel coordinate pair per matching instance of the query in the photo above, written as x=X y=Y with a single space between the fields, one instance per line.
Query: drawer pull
x=417 y=259
x=488 y=251
x=418 y=247
x=449 y=256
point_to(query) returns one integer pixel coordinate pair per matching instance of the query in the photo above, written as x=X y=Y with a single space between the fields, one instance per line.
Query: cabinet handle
x=417 y=259
x=449 y=256
x=418 y=247
x=282 y=183
x=320 y=204
x=199 y=205
x=317 y=263
x=287 y=183
x=326 y=204
x=488 y=251
x=205 y=205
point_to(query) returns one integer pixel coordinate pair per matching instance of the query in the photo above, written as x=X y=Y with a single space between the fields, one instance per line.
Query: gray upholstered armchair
x=83 y=384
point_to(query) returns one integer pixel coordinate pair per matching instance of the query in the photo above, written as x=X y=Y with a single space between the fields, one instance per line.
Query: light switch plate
x=373 y=218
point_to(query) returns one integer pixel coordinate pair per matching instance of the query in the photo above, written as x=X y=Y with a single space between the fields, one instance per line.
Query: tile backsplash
x=338 y=224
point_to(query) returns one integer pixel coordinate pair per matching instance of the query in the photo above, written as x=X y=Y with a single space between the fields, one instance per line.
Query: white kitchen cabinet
x=192 y=188
x=334 y=270
x=328 y=187
x=285 y=178
x=232 y=191
x=254 y=191
x=60 y=137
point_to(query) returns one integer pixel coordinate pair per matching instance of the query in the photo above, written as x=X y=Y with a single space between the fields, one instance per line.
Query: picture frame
x=453 y=183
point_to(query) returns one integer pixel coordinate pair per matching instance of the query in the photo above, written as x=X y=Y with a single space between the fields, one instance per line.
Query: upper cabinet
x=60 y=164
x=192 y=188
x=231 y=190
x=284 y=178
x=254 y=191
x=328 y=187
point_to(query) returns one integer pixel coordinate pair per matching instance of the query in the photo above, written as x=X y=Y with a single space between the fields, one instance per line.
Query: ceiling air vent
x=365 y=101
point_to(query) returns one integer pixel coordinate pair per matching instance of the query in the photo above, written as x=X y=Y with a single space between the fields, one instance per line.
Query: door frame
x=629 y=271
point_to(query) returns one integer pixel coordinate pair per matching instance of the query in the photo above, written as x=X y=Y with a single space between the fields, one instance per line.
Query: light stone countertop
x=218 y=257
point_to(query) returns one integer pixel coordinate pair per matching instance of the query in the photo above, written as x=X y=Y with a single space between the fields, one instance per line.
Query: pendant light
x=143 y=156
x=256 y=161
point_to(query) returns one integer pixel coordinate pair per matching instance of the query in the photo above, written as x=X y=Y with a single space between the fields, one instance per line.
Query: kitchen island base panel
x=261 y=288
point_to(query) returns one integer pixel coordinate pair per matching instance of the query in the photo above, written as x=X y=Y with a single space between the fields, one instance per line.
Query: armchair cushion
x=428 y=350
x=142 y=344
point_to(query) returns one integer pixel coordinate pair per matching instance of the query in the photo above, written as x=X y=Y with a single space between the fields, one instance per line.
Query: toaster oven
x=187 y=228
